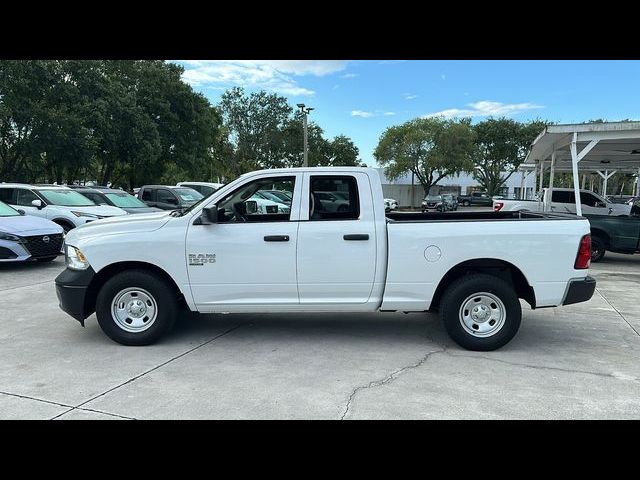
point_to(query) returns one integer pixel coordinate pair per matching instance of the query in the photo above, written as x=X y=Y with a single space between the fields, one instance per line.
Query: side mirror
x=36 y=203
x=21 y=212
x=209 y=215
x=251 y=207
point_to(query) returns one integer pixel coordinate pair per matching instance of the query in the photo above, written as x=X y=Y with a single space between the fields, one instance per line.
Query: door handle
x=276 y=238
x=356 y=236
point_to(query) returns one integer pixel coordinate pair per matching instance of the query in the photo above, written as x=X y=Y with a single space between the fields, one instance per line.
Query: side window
x=147 y=194
x=588 y=199
x=559 y=196
x=326 y=205
x=248 y=204
x=6 y=195
x=25 y=197
x=165 y=196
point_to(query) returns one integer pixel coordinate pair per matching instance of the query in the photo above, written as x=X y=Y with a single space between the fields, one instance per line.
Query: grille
x=37 y=247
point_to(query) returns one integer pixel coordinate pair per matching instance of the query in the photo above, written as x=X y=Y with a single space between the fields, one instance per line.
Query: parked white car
x=562 y=200
x=221 y=256
x=61 y=205
x=390 y=204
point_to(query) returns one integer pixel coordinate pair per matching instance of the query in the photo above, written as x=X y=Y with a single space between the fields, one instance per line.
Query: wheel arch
x=109 y=271
x=61 y=220
x=492 y=266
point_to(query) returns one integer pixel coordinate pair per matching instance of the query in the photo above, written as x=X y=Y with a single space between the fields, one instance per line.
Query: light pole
x=305 y=111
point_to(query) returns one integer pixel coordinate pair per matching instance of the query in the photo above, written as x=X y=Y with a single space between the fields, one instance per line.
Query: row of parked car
x=35 y=218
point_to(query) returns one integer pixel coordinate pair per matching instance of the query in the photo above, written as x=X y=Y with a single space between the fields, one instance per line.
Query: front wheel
x=480 y=312
x=465 y=203
x=136 y=307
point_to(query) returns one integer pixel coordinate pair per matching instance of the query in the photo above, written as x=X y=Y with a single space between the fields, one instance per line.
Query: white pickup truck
x=223 y=255
x=563 y=200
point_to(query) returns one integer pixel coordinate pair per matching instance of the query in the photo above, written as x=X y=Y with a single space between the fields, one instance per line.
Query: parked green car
x=620 y=234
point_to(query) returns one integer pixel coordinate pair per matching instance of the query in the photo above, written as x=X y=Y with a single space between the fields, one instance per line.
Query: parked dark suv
x=476 y=198
x=168 y=197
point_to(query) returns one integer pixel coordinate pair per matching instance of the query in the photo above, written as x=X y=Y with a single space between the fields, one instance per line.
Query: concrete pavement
x=579 y=361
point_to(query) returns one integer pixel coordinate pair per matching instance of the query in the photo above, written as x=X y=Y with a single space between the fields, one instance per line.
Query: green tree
x=501 y=146
x=255 y=123
x=432 y=148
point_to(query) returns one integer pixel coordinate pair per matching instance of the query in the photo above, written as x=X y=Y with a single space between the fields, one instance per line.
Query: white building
x=462 y=184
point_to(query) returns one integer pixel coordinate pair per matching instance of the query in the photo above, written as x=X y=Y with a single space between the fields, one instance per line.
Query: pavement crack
x=386 y=380
x=27 y=397
x=146 y=372
x=618 y=312
x=537 y=367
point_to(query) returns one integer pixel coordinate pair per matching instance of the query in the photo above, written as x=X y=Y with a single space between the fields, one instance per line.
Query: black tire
x=66 y=226
x=459 y=291
x=465 y=204
x=46 y=259
x=598 y=249
x=164 y=296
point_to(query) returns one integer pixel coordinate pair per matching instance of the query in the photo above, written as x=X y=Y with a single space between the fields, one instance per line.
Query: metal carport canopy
x=605 y=148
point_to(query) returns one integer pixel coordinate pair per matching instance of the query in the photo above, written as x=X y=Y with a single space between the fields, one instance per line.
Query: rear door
x=336 y=249
x=149 y=197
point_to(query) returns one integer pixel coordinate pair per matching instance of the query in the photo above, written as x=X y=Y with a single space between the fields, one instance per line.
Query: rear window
x=324 y=205
x=560 y=196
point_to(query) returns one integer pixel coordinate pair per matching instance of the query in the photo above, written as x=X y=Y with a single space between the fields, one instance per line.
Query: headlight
x=75 y=259
x=9 y=237
x=86 y=215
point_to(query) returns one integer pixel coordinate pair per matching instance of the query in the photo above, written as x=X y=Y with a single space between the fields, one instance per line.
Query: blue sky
x=362 y=98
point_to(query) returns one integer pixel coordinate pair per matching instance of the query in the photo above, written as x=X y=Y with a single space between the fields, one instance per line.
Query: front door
x=248 y=258
x=337 y=242
x=23 y=200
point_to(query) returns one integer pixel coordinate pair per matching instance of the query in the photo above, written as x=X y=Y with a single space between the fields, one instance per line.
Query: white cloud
x=335 y=87
x=274 y=75
x=367 y=114
x=443 y=76
x=409 y=96
x=349 y=75
x=361 y=113
x=485 y=108
x=390 y=62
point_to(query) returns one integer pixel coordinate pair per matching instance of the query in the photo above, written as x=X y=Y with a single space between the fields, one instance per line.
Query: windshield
x=433 y=198
x=123 y=199
x=66 y=198
x=7 y=211
x=188 y=195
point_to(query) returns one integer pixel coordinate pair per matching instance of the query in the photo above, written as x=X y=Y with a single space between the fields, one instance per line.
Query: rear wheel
x=597 y=249
x=465 y=203
x=480 y=312
x=136 y=307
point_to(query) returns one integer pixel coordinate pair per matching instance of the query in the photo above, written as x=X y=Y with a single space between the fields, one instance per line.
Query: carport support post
x=574 y=168
x=541 y=197
x=638 y=183
x=522 y=186
x=553 y=169
x=605 y=177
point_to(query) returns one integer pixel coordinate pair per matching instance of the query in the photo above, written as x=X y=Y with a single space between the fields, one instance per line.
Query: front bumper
x=72 y=288
x=579 y=290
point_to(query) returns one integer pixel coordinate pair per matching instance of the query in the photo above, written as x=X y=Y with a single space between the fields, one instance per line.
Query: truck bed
x=476 y=216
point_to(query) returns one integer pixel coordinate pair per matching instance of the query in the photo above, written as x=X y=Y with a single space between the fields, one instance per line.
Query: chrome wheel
x=482 y=314
x=134 y=310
